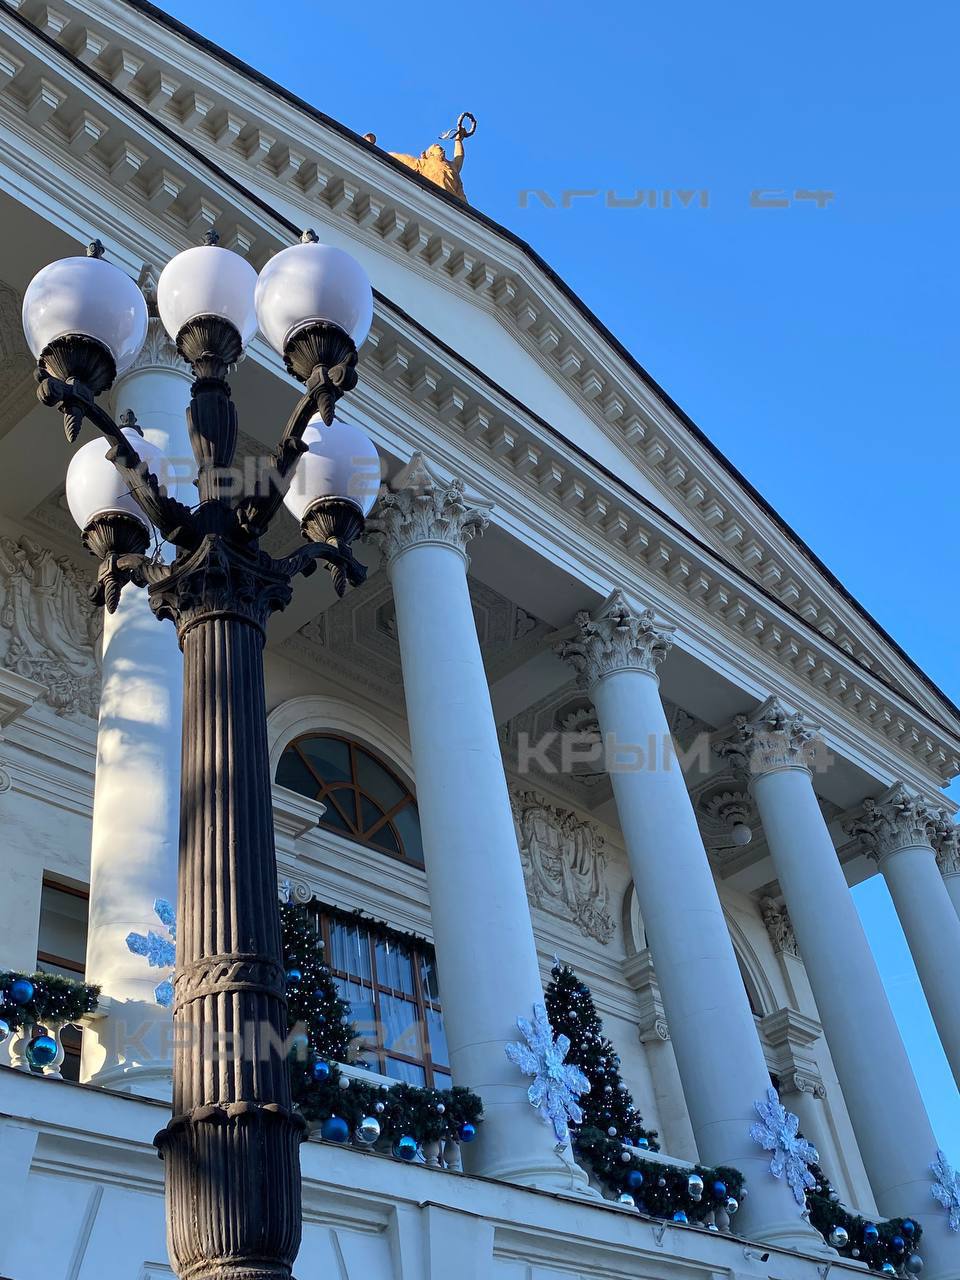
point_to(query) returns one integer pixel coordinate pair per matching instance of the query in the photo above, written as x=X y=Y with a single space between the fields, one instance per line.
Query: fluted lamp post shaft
x=231 y=1148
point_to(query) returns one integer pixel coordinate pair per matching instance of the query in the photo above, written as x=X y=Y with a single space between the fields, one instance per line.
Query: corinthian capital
x=618 y=637
x=421 y=508
x=771 y=738
x=899 y=819
x=947 y=844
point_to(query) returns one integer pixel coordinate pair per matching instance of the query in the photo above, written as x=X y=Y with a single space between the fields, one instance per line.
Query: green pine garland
x=56 y=1000
x=317 y=1012
x=611 y=1121
x=826 y=1213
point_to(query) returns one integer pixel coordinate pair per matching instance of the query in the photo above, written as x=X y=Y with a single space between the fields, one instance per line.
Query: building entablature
x=300 y=161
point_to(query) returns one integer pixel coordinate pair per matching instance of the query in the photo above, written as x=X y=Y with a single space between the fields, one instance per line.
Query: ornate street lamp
x=231 y=1147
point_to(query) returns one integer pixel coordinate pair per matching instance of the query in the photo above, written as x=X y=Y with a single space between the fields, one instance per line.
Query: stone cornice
x=770 y=738
x=899 y=819
x=422 y=508
x=263 y=138
x=619 y=636
x=618 y=529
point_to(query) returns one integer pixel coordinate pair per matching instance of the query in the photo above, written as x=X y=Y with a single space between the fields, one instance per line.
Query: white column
x=948 y=860
x=486 y=955
x=136 y=818
x=718 y=1051
x=776 y=749
x=898 y=831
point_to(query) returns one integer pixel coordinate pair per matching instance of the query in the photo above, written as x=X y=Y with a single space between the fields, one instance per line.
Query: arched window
x=365 y=799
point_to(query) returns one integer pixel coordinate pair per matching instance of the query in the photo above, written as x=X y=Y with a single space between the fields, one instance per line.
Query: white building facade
x=595 y=700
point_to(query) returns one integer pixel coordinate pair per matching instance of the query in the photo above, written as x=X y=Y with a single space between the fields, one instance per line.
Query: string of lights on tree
x=40 y=1001
x=611 y=1138
x=401 y=1118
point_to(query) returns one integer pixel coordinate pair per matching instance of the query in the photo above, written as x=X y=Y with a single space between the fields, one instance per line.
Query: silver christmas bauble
x=627 y=1198
x=733 y=1204
x=440 y=1109
x=839 y=1237
x=914 y=1264
x=379 y=1108
x=695 y=1186
x=344 y=1082
x=368 y=1131
x=612 y=1131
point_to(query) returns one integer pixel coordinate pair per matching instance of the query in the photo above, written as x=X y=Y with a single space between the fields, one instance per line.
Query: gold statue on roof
x=433 y=164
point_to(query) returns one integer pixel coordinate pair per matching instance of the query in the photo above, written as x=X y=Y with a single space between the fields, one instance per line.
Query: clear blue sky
x=816 y=346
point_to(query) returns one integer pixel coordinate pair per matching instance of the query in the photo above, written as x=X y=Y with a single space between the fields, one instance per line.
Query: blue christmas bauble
x=914 y=1264
x=41 y=1051
x=643 y=1143
x=720 y=1190
x=467 y=1132
x=680 y=1216
x=406 y=1148
x=21 y=990
x=634 y=1179
x=870 y=1234
x=908 y=1227
x=4 y=1029
x=889 y=1269
x=321 y=1070
x=293 y=977
x=334 y=1129
x=899 y=1243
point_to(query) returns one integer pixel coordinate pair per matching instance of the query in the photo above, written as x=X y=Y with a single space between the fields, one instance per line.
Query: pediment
x=473 y=331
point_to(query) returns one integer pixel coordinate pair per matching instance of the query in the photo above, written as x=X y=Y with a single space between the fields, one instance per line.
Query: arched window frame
x=328 y=791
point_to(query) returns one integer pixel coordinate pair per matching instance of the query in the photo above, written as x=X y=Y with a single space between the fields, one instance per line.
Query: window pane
x=407 y=823
x=63 y=931
x=394 y=968
x=386 y=839
x=350 y=946
x=428 y=978
x=406 y=1071
x=333 y=818
x=441 y=1080
x=370 y=813
x=400 y=1028
x=293 y=773
x=329 y=756
x=362 y=1012
x=438 y=1039
x=377 y=782
x=342 y=803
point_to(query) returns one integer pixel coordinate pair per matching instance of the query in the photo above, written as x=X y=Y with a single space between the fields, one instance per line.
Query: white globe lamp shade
x=341 y=462
x=90 y=298
x=208 y=281
x=308 y=283
x=95 y=487
x=741 y=833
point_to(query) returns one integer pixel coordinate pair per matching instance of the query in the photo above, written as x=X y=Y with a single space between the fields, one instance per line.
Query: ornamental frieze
x=49 y=629
x=564 y=864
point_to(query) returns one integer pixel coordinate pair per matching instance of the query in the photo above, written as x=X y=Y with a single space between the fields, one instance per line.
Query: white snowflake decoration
x=946 y=1189
x=160 y=952
x=557 y=1084
x=776 y=1131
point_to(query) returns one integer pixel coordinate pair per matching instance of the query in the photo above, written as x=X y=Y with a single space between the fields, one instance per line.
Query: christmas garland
x=612 y=1134
x=403 y=1111
x=355 y=918
x=889 y=1247
x=322 y=1036
x=44 y=999
x=661 y=1190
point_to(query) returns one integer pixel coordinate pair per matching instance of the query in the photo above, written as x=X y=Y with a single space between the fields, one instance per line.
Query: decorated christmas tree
x=608 y=1107
x=314 y=1008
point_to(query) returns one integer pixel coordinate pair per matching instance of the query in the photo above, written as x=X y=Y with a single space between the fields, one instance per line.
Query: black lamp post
x=231 y=1147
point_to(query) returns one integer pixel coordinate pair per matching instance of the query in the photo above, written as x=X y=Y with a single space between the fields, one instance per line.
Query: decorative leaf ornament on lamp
x=85 y=322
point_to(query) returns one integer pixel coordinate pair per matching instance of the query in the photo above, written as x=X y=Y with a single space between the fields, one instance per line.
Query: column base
x=561 y=1174
x=797 y=1235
